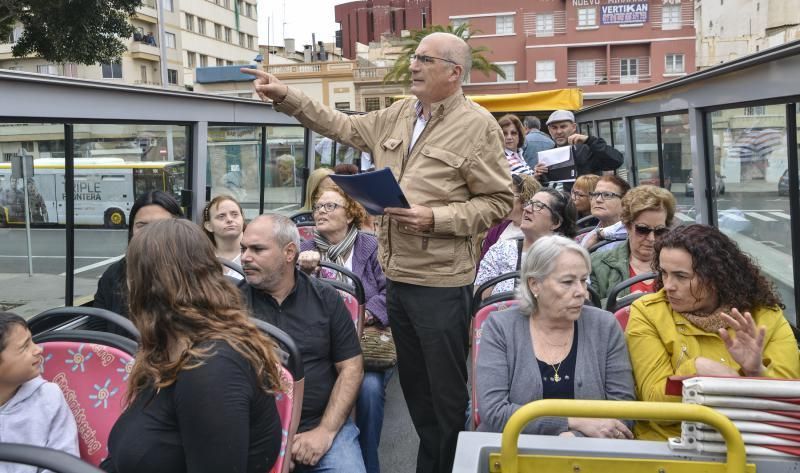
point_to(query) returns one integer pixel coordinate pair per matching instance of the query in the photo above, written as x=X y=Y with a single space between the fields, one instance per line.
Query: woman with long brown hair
x=200 y=392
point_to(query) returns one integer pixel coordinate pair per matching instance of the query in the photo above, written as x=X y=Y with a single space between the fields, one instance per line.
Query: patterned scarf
x=710 y=322
x=336 y=253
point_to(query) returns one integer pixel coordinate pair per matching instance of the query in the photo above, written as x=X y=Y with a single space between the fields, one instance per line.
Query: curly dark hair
x=719 y=263
x=563 y=210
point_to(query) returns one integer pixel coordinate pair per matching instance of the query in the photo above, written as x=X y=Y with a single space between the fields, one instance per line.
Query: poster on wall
x=623 y=14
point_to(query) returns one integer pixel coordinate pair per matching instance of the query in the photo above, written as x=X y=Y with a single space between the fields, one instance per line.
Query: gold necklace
x=556 y=378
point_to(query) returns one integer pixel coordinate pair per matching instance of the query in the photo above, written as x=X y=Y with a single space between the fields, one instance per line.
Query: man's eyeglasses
x=431 y=59
x=328 y=206
x=644 y=231
x=604 y=195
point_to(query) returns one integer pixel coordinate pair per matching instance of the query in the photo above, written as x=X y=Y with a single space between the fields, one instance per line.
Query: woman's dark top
x=214 y=418
x=111 y=289
x=564 y=388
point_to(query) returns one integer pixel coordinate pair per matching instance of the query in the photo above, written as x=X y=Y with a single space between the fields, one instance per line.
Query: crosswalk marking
x=733 y=216
x=683 y=217
x=759 y=217
x=782 y=215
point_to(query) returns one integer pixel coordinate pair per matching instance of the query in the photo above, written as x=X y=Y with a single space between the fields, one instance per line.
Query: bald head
x=452 y=47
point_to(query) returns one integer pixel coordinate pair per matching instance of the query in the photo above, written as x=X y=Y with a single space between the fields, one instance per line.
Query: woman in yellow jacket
x=715 y=314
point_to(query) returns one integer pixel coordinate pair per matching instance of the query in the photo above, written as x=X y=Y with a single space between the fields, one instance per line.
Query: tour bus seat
x=303 y=216
x=92 y=370
x=603 y=243
x=352 y=294
x=290 y=400
x=90 y=367
x=43 y=458
x=589 y=221
x=621 y=308
x=306 y=230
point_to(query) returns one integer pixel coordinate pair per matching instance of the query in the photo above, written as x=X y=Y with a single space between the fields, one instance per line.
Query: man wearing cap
x=591 y=153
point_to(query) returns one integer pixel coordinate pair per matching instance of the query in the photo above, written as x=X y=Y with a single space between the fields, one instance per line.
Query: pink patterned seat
x=477 y=322
x=93 y=377
x=306 y=231
x=622 y=316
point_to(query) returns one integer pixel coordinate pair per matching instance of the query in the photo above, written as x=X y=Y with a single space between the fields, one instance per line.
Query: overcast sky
x=302 y=18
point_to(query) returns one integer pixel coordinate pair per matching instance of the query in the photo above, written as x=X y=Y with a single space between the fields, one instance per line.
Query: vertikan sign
x=623 y=13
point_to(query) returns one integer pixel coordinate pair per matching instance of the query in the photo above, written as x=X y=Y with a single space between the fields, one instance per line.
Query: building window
x=112 y=71
x=505 y=24
x=190 y=59
x=217 y=31
x=220 y=62
x=372 y=103
x=250 y=41
x=242 y=39
x=203 y=60
x=189 y=22
x=674 y=64
x=168 y=5
x=671 y=17
x=228 y=63
x=227 y=35
x=509 y=70
x=342 y=105
x=544 y=24
x=629 y=71
x=51 y=69
x=586 y=73
x=389 y=101
x=248 y=10
x=545 y=71
x=460 y=21
x=201 y=26
x=755 y=111
x=169 y=39
x=226 y=3
x=14 y=34
x=587 y=17
x=172 y=76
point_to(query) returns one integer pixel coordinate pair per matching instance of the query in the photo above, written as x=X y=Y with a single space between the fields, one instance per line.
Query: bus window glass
x=618 y=133
x=285 y=173
x=750 y=158
x=45 y=143
x=604 y=132
x=677 y=158
x=324 y=149
x=645 y=151
x=233 y=164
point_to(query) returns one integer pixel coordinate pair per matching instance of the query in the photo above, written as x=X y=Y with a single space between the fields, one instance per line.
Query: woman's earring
x=536 y=296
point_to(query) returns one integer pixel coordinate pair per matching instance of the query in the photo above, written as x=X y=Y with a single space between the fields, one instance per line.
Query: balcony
x=144 y=51
x=632 y=70
x=370 y=74
x=340 y=69
x=294 y=69
x=586 y=72
x=147 y=12
x=591 y=72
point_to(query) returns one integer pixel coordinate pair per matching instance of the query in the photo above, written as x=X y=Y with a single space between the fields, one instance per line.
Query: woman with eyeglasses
x=552 y=346
x=715 y=314
x=606 y=205
x=548 y=212
x=647 y=213
x=337 y=239
x=523 y=187
x=580 y=193
x=514 y=139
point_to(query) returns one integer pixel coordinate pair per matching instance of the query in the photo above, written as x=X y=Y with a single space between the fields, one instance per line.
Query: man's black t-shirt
x=315 y=316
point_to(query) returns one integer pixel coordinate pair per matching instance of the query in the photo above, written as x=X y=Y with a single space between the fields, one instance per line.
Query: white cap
x=561 y=116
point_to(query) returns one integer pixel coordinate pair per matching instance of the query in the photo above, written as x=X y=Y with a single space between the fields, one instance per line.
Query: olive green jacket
x=609 y=269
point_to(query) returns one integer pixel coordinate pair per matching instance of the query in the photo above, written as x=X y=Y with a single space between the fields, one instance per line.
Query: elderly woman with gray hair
x=553 y=347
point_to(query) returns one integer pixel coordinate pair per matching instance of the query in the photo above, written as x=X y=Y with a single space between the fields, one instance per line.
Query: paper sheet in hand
x=560 y=164
x=374 y=190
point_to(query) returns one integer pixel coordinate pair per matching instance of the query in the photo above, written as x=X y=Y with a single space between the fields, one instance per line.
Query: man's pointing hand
x=267 y=86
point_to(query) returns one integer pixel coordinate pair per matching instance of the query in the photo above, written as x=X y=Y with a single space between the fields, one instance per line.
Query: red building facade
x=366 y=21
x=605 y=47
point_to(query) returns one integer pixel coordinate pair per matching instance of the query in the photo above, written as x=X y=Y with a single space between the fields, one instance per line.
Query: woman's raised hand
x=747 y=343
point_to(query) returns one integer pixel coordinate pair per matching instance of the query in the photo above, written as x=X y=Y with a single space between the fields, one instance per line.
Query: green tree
x=400 y=71
x=79 y=31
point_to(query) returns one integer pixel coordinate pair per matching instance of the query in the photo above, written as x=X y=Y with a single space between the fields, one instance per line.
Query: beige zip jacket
x=457 y=167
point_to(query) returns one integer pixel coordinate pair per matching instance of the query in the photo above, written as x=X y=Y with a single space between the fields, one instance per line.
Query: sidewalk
x=30 y=295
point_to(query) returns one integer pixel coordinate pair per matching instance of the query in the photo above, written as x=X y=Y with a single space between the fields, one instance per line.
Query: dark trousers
x=431 y=329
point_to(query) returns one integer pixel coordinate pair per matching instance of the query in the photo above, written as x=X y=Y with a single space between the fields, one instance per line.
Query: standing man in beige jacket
x=447 y=154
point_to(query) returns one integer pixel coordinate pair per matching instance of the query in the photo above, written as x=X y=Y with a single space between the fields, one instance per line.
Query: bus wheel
x=114 y=218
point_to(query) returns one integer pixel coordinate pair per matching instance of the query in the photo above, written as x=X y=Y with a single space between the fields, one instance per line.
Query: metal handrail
x=662 y=411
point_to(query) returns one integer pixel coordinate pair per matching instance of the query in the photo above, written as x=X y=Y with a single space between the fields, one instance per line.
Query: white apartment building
x=728 y=29
x=196 y=33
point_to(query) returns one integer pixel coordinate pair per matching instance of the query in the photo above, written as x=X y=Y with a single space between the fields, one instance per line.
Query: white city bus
x=105 y=189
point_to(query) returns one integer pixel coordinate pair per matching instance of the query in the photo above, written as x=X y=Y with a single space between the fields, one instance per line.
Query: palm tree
x=400 y=71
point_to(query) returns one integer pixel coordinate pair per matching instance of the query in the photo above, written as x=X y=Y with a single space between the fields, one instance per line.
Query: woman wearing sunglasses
x=647 y=213
x=548 y=212
x=715 y=314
